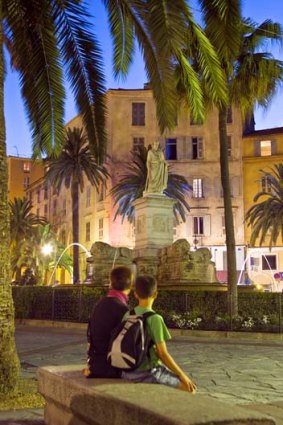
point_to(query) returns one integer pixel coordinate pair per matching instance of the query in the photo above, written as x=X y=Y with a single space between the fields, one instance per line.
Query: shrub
x=258 y=311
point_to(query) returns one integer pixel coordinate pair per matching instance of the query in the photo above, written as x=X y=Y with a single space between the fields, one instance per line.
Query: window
x=269 y=262
x=64 y=211
x=229 y=115
x=38 y=195
x=37 y=212
x=197 y=188
x=45 y=192
x=100 y=228
x=30 y=196
x=63 y=237
x=171 y=149
x=87 y=231
x=45 y=210
x=265 y=147
x=26 y=167
x=101 y=192
x=197 y=148
x=266 y=184
x=254 y=262
x=54 y=206
x=138 y=113
x=229 y=145
x=137 y=141
x=26 y=182
x=88 y=197
x=198 y=225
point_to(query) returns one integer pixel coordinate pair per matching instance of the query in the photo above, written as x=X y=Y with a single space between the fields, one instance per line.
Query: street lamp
x=47 y=250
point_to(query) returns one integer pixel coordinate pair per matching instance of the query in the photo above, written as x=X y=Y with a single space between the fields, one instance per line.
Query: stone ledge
x=74 y=400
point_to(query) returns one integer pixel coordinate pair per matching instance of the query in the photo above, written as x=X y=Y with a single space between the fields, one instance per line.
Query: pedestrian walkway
x=243 y=372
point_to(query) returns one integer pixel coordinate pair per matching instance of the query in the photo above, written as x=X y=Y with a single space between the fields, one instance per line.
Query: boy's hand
x=188 y=384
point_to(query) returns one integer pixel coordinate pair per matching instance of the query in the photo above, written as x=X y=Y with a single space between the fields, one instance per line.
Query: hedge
x=182 y=309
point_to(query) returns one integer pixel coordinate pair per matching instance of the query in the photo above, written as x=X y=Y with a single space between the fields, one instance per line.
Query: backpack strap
x=148 y=314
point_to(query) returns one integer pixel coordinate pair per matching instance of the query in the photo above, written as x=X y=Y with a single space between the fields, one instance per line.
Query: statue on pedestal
x=157 y=170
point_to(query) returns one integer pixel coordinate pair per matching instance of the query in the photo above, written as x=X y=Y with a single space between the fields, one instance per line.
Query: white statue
x=157 y=170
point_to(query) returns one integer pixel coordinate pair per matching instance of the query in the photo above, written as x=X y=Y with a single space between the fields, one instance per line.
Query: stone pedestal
x=154 y=230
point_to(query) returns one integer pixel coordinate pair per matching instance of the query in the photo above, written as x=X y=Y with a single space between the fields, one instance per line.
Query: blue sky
x=18 y=135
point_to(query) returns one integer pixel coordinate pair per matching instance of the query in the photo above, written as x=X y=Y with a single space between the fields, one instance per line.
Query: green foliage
x=75 y=165
x=258 y=311
x=132 y=185
x=24 y=396
x=266 y=217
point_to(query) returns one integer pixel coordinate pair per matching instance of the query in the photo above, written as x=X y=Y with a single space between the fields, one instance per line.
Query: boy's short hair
x=145 y=286
x=121 y=278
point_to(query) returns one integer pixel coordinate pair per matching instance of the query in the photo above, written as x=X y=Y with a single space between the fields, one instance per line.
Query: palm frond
x=266 y=217
x=132 y=185
x=32 y=34
x=83 y=59
x=75 y=161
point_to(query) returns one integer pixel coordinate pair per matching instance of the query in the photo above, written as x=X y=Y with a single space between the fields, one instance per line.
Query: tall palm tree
x=252 y=76
x=75 y=164
x=43 y=35
x=133 y=183
x=22 y=226
x=266 y=217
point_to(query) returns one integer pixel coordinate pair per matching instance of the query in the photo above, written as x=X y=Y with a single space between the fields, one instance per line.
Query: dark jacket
x=107 y=314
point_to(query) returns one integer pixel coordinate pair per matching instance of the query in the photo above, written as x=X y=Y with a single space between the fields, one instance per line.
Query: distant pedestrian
x=105 y=317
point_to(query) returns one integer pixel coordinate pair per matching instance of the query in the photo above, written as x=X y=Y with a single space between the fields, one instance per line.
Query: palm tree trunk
x=75 y=224
x=228 y=213
x=9 y=362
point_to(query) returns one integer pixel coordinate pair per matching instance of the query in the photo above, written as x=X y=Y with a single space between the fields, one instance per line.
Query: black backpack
x=130 y=342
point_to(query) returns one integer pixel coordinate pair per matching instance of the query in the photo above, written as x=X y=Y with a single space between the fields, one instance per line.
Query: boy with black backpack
x=107 y=314
x=138 y=345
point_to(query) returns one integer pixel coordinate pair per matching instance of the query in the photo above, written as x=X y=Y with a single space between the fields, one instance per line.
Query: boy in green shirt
x=159 y=367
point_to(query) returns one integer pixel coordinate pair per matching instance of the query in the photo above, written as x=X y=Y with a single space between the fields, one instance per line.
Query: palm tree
x=75 y=163
x=41 y=36
x=161 y=31
x=266 y=217
x=252 y=77
x=41 y=263
x=132 y=185
x=22 y=226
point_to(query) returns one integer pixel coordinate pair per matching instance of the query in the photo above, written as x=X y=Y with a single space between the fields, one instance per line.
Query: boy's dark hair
x=121 y=278
x=145 y=286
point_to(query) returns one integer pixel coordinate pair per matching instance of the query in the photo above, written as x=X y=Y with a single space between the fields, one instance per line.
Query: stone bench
x=71 y=399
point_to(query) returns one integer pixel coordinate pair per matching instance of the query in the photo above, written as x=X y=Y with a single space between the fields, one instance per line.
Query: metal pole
x=80 y=304
x=53 y=304
x=230 y=310
x=280 y=311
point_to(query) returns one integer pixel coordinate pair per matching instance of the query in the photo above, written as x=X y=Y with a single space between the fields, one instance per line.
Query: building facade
x=22 y=172
x=191 y=149
x=261 y=150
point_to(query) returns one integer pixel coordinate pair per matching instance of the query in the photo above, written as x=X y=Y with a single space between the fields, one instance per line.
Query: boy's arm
x=168 y=360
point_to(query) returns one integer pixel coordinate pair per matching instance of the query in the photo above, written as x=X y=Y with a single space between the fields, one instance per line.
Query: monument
x=173 y=264
x=153 y=214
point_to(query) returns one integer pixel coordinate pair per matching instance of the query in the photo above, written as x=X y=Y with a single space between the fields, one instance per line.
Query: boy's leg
x=139 y=376
x=157 y=375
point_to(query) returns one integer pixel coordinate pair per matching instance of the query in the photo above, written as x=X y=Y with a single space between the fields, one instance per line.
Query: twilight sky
x=18 y=135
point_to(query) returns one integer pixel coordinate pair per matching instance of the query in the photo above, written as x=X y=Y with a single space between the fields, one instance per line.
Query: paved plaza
x=237 y=371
